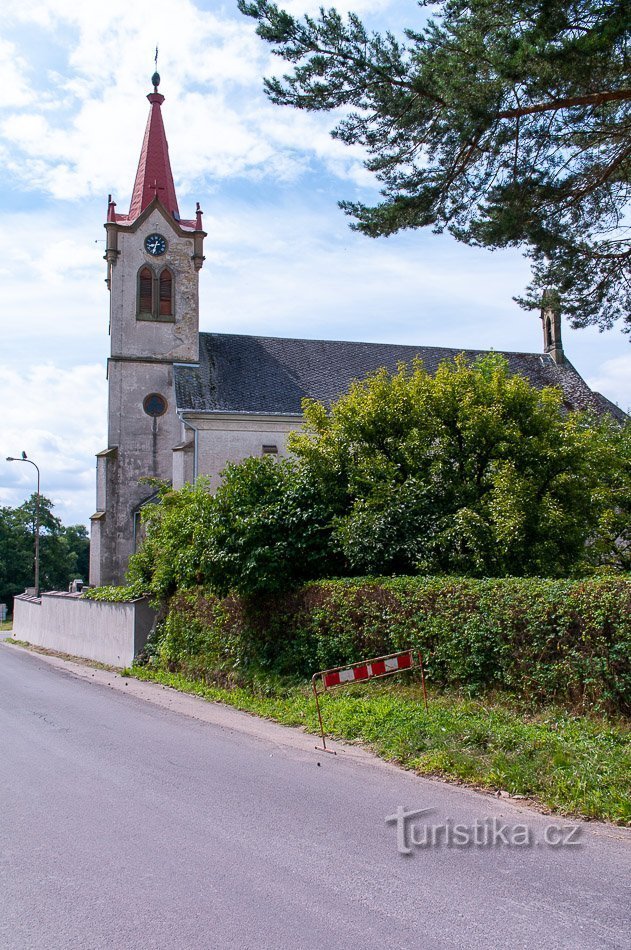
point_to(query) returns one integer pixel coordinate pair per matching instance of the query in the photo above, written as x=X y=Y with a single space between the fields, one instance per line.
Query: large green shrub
x=543 y=640
x=175 y=548
x=468 y=471
x=267 y=527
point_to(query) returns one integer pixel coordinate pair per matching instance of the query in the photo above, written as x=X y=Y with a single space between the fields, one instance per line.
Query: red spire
x=154 y=176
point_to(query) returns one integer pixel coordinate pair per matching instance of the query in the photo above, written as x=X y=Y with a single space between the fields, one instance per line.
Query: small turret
x=551 y=319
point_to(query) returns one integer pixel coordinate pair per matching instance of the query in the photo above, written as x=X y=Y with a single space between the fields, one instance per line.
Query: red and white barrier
x=365 y=670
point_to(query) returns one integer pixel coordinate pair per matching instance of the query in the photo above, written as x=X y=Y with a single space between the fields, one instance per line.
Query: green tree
x=266 y=528
x=468 y=471
x=78 y=542
x=16 y=556
x=506 y=124
x=177 y=533
x=64 y=551
x=609 y=546
x=271 y=528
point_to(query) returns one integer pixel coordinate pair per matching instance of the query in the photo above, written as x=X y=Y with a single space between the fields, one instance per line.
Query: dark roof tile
x=272 y=375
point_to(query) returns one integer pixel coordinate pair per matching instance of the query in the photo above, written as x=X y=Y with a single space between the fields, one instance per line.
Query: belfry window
x=145 y=291
x=155 y=295
x=166 y=293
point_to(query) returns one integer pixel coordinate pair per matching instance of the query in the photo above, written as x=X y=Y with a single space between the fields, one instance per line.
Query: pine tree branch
x=593 y=99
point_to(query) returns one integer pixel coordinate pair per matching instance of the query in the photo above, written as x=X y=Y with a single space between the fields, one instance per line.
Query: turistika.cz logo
x=483 y=833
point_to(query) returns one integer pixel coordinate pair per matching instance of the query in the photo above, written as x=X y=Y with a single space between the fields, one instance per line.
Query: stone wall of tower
x=178 y=339
x=140 y=446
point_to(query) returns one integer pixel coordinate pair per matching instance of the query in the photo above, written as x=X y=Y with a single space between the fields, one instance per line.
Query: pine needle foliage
x=505 y=124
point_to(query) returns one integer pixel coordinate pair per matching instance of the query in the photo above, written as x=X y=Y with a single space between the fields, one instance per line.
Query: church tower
x=153 y=262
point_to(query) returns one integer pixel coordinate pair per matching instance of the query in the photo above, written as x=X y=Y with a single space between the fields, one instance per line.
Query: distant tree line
x=64 y=550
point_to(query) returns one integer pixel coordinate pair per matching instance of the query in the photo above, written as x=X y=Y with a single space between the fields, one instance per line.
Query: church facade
x=183 y=404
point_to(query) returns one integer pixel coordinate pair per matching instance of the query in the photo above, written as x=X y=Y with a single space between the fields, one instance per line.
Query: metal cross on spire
x=155 y=79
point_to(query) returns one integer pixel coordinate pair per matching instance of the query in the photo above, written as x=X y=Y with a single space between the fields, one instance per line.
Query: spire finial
x=154 y=165
x=155 y=79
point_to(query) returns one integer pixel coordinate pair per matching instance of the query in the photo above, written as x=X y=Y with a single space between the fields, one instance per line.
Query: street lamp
x=30 y=462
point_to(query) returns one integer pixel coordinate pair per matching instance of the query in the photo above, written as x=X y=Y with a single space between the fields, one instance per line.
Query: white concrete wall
x=107 y=632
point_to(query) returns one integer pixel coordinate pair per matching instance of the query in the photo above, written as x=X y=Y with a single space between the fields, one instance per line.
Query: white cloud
x=54 y=301
x=82 y=135
x=15 y=91
x=59 y=418
x=613 y=378
x=297 y=270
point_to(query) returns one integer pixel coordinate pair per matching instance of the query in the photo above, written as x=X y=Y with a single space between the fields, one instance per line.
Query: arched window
x=166 y=293
x=145 y=291
x=548 y=332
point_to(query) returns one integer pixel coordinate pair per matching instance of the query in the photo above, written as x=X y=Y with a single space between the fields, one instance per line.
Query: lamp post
x=30 y=462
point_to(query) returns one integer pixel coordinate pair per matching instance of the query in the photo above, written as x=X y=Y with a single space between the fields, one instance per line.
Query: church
x=184 y=403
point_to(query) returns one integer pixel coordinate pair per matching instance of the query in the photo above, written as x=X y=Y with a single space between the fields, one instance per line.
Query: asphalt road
x=132 y=817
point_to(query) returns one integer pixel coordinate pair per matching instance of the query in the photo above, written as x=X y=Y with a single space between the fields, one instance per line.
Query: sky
x=280 y=257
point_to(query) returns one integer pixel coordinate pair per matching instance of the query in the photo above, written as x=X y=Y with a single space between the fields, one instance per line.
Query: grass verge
x=573 y=765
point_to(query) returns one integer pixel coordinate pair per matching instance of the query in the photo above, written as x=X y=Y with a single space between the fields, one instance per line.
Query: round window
x=155 y=405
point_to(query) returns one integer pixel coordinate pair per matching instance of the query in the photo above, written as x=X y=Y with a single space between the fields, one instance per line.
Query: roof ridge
x=409 y=346
x=244 y=373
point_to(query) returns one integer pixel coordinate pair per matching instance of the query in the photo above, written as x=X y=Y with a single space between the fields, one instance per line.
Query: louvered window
x=145 y=291
x=166 y=294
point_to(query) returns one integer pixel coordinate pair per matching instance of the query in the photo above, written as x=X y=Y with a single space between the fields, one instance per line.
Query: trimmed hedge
x=562 y=641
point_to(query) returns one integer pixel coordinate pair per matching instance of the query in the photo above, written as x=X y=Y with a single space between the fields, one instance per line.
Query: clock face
x=155 y=244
